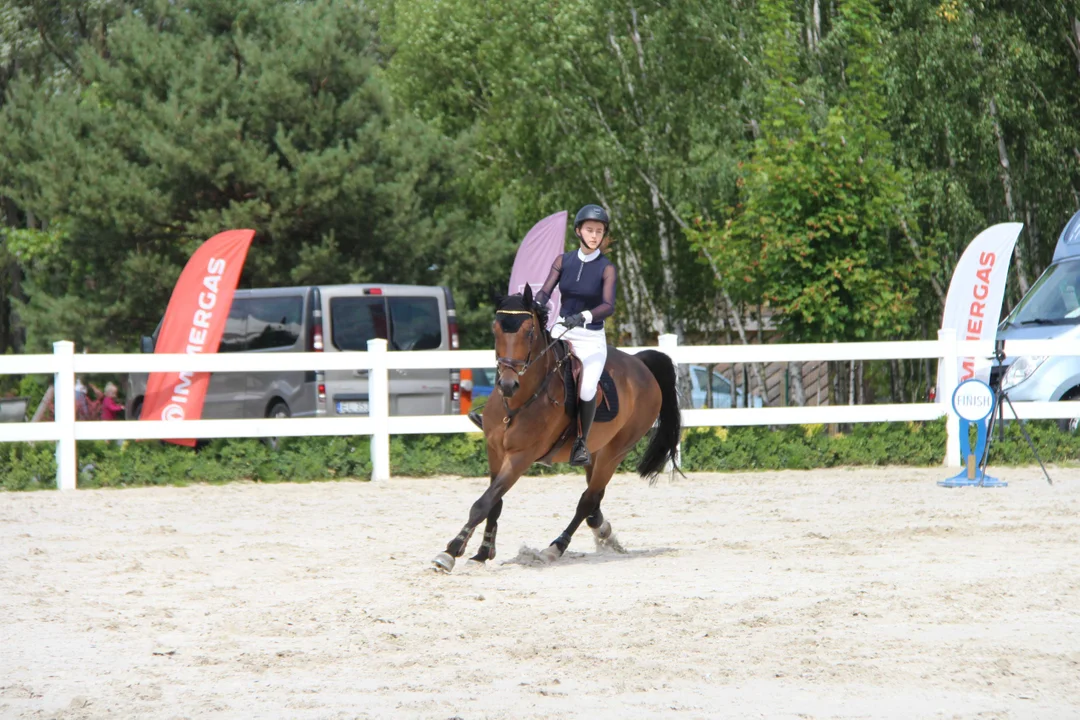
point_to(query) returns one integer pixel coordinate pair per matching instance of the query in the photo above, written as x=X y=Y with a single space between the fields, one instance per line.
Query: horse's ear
x=527 y=296
x=494 y=295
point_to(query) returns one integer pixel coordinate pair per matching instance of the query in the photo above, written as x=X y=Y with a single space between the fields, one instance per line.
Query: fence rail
x=64 y=364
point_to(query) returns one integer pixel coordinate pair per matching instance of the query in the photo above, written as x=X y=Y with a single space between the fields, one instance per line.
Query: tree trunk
x=798 y=391
x=813 y=29
x=834 y=391
x=1007 y=186
x=10 y=337
x=917 y=252
x=708 y=387
x=640 y=298
x=736 y=322
x=895 y=382
x=676 y=324
x=1005 y=176
x=1073 y=38
x=860 y=383
x=852 y=365
x=636 y=286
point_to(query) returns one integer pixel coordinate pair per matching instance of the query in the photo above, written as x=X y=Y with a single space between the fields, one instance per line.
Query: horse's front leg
x=482 y=509
x=487 y=547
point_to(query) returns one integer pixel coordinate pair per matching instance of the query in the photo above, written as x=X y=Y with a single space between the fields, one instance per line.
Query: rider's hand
x=575 y=321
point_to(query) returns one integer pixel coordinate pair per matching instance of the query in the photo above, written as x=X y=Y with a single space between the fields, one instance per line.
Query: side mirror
x=146 y=344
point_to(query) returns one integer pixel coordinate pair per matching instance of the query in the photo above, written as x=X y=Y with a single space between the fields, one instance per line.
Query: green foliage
x=421 y=455
x=34 y=388
x=635 y=108
x=815 y=231
x=833 y=163
x=206 y=115
x=26 y=466
x=808 y=447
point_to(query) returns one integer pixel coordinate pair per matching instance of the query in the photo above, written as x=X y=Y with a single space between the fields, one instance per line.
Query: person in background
x=111 y=409
x=82 y=400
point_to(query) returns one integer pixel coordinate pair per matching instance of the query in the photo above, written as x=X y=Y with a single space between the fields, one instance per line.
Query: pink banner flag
x=545 y=242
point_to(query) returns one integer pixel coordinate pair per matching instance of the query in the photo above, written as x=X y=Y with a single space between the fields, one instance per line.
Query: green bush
x=29 y=466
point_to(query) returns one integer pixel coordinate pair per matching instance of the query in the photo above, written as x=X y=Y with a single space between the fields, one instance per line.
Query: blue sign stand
x=973 y=475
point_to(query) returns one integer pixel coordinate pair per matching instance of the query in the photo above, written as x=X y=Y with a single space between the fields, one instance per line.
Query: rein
x=525 y=364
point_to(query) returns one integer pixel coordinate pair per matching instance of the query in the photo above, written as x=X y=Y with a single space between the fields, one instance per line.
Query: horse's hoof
x=551 y=553
x=603 y=532
x=444 y=562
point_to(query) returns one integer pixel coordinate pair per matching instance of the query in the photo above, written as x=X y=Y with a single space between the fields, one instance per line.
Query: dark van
x=328 y=318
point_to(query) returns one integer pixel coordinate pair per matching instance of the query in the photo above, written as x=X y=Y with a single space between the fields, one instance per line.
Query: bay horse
x=525 y=419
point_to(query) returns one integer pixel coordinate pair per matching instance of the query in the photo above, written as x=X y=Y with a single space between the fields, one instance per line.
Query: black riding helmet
x=592 y=212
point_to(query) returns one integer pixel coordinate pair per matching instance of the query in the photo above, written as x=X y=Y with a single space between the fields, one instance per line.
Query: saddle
x=607 y=397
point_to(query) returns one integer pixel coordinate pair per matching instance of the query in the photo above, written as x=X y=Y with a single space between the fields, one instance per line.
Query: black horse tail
x=664 y=443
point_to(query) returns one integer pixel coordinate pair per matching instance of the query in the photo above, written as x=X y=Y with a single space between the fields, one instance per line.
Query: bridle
x=514 y=364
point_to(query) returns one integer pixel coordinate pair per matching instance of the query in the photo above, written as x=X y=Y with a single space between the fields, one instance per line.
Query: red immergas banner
x=194 y=323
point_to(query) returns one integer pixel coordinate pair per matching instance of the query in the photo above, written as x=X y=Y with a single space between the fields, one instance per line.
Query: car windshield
x=1053 y=300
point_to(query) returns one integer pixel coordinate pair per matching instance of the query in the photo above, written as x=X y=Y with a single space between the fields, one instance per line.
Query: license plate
x=352 y=407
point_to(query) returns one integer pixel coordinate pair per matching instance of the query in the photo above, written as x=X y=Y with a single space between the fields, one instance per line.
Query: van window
x=274 y=322
x=414 y=323
x=234 y=339
x=1052 y=300
x=355 y=320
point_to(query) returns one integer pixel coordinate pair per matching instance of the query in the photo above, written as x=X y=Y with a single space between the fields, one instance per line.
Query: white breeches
x=590 y=346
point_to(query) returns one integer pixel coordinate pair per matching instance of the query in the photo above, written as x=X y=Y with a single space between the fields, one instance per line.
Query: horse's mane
x=512 y=322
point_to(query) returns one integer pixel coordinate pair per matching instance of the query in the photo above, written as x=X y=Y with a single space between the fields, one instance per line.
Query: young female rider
x=586 y=280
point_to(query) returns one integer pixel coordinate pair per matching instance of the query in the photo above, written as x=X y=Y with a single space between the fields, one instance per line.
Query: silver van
x=328 y=318
x=1049 y=310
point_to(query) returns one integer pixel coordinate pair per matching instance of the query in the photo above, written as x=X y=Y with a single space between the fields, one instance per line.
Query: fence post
x=947 y=375
x=379 y=409
x=668 y=343
x=64 y=414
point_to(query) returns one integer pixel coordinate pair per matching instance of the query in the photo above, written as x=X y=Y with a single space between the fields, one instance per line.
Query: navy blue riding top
x=587 y=286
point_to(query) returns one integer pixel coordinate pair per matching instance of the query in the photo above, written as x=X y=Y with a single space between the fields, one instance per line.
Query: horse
x=525 y=421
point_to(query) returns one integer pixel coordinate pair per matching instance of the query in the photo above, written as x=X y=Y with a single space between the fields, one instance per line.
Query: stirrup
x=477 y=419
x=579 y=455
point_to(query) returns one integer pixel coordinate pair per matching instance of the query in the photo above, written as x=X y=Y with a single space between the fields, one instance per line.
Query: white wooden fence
x=380 y=425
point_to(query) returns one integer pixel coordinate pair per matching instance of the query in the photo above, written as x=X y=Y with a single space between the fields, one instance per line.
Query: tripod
x=997 y=416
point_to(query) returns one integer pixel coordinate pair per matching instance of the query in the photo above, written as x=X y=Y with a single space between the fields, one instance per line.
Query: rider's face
x=591 y=233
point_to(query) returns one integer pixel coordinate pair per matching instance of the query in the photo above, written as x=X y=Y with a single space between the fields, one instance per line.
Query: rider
x=586 y=280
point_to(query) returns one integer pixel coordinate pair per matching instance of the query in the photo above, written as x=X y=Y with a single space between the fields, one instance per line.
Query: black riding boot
x=580 y=456
x=477 y=418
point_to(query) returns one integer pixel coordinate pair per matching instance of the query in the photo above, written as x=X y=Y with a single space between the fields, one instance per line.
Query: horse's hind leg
x=602 y=532
x=598 y=476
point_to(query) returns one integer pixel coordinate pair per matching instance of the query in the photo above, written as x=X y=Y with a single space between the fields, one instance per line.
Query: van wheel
x=278 y=410
x=1070 y=425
